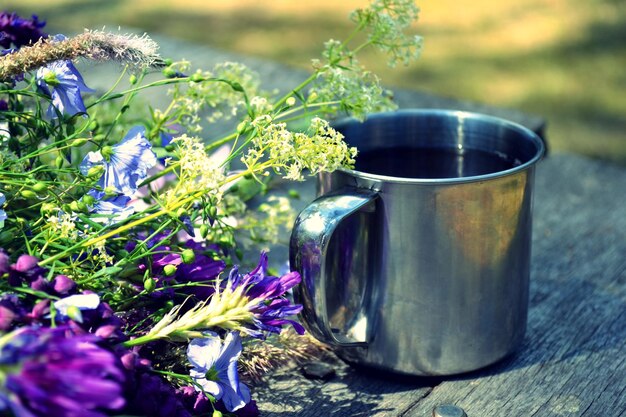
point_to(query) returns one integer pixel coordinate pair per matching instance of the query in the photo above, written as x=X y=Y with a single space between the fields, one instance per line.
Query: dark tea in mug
x=424 y=162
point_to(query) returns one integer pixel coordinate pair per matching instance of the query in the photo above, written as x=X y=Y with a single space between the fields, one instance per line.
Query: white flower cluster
x=100 y=254
x=63 y=226
x=197 y=171
x=387 y=21
x=223 y=98
x=358 y=91
x=321 y=148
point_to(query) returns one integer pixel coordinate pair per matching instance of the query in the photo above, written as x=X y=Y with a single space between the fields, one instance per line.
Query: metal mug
x=418 y=260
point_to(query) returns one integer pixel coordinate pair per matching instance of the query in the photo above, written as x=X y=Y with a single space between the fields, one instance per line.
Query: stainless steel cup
x=417 y=261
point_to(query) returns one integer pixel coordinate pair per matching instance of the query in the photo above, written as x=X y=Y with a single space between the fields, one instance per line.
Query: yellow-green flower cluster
x=387 y=21
x=196 y=169
x=271 y=220
x=62 y=226
x=219 y=91
x=321 y=148
x=349 y=88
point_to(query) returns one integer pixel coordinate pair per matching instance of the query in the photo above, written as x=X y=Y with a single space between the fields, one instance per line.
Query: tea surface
x=410 y=162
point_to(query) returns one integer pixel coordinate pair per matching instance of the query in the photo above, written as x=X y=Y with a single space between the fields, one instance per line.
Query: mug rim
x=459 y=114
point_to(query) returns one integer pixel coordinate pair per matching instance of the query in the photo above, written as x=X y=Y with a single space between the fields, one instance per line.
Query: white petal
x=81 y=301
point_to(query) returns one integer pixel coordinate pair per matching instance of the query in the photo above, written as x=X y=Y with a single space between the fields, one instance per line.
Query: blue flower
x=125 y=164
x=110 y=210
x=67 y=85
x=3 y=214
x=215 y=369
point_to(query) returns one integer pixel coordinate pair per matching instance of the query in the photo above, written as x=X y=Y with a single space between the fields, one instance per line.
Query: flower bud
x=149 y=284
x=226 y=242
x=74 y=207
x=110 y=191
x=40 y=186
x=290 y=101
x=78 y=142
x=47 y=208
x=132 y=79
x=107 y=151
x=204 y=230
x=75 y=314
x=95 y=172
x=82 y=207
x=28 y=194
x=89 y=200
x=188 y=256
x=169 y=270
x=197 y=77
x=169 y=72
x=217 y=413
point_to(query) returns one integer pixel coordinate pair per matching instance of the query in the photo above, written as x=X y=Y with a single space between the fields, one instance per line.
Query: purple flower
x=273 y=306
x=67 y=85
x=149 y=395
x=11 y=311
x=58 y=374
x=26 y=269
x=203 y=269
x=63 y=285
x=18 y=32
x=215 y=369
x=125 y=164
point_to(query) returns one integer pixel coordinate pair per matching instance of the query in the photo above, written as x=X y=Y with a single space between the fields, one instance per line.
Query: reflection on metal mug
x=418 y=260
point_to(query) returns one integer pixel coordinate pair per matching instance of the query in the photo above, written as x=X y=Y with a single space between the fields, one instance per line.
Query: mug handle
x=309 y=242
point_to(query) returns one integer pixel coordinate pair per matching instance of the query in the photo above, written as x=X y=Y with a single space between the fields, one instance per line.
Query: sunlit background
x=564 y=60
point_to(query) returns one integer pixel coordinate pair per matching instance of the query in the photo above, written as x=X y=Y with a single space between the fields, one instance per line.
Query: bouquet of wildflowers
x=121 y=225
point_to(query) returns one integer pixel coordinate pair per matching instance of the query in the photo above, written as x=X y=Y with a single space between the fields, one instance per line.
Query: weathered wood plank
x=350 y=393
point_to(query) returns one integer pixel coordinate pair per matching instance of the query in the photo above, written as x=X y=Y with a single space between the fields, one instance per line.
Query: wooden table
x=573 y=360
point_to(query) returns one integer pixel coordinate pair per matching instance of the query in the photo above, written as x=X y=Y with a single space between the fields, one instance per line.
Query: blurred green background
x=564 y=60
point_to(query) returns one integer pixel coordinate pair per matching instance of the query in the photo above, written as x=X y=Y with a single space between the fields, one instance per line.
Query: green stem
x=303 y=84
x=141 y=340
x=142 y=220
